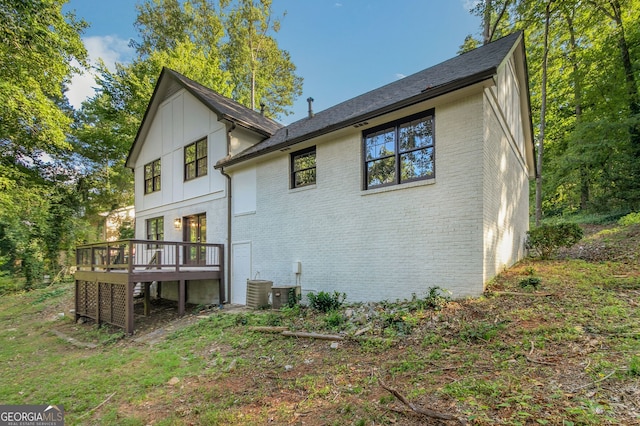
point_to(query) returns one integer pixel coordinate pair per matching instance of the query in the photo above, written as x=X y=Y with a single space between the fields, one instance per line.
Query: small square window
x=303 y=167
x=195 y=159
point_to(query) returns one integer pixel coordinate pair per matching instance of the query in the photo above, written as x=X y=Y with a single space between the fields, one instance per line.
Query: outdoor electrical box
x=297 y=268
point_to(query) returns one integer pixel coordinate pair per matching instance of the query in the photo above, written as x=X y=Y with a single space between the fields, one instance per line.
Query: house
x=420 y=183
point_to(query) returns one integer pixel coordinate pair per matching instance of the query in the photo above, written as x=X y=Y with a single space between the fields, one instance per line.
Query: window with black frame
x=195 y=159
x=155 y=230
x=152 y=177
x=400 y=152
x=303 y=167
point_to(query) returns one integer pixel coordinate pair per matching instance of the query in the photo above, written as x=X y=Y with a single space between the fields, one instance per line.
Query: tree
x=37 y=46
x=258 y=69
x=588 y=124
x=543 y=107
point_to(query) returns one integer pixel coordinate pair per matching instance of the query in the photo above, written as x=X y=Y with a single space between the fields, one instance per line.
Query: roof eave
x=423 y=96
x=142 y=125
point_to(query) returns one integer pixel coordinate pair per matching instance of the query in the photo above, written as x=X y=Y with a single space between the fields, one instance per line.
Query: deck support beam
x=147 y=299
x=129 y=308
x=181 y=297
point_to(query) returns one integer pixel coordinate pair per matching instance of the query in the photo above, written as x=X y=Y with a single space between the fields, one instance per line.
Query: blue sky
x=341 y=48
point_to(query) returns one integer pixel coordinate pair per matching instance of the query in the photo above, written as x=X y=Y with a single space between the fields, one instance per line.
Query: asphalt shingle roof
x=227 y=108
x=456 y=73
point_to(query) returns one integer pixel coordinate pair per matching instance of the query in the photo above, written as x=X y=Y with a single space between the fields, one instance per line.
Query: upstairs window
x=303 y=167
x=195 y=159
x=399 y=152
x=152 y=177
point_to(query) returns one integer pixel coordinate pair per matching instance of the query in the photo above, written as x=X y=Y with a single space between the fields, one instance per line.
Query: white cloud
x=110 y=49
x=399 y=76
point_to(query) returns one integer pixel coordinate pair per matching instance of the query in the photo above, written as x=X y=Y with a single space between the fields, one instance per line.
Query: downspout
x=228 y=266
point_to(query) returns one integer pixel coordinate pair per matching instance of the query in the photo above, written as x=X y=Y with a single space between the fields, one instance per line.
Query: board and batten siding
x=180 y=121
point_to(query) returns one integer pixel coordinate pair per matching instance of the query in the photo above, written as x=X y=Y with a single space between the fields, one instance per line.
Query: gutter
x=229 y=212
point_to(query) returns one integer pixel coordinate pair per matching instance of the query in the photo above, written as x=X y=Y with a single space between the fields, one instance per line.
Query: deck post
x=181 y=297
x=77 y=293
x=129 y=308
x=98 y=303
x=221 y=282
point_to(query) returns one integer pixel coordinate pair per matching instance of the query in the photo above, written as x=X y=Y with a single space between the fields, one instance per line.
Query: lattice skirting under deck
x=103 y=302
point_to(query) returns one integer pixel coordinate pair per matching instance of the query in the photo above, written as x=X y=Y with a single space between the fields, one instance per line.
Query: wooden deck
x=108 y=272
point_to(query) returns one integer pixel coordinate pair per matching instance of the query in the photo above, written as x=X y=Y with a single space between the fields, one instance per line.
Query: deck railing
x=140 y=255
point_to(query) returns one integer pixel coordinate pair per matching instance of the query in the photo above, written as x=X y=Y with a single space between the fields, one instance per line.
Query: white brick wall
x=506 y=185
x=382 y=244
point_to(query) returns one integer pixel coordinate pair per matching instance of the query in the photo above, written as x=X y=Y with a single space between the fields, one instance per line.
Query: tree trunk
x=486 y=33
x=577 y=100
x=543 y=107
x=632 y=85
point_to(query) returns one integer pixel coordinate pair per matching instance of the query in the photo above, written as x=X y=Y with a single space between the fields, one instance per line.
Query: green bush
x=630 y=219
x=530 y=282
x=326 y=302
x=546 y=240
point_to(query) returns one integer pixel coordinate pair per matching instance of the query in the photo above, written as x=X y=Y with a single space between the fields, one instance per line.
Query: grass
x=569 y=358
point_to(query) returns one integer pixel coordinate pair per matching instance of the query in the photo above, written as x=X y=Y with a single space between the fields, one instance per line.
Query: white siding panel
x=196 y=119
x=217 y=150
x=178 y=123
x=167 y=116
x=244 y=191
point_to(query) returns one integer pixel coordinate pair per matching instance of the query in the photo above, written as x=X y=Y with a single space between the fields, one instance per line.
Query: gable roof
x=170 y=81
x=456 y=73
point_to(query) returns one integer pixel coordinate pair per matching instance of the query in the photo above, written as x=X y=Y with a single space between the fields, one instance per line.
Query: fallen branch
x=597 y=381
x=520 y=293
x=535 y=361
x=424 y=411
x=97 y=407
x=265 y=329
x=312 y=335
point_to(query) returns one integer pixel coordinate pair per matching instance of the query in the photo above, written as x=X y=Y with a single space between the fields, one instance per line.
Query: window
x=303 y=167
x=399 y=152
x=155 y=230
x=152 y=177
x=195 y=159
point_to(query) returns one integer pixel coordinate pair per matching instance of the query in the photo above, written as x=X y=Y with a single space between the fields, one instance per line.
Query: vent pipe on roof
x=310 y=100
x=262 y=105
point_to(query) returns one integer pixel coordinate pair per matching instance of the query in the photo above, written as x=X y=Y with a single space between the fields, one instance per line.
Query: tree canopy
x=38 y=45
x=591 y=123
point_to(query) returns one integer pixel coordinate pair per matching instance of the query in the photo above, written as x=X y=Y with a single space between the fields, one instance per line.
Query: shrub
x=436 y=299
x=630 y=219
x=530 y=282
x=334 y=319
x=546 y=240
x=325 y=302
